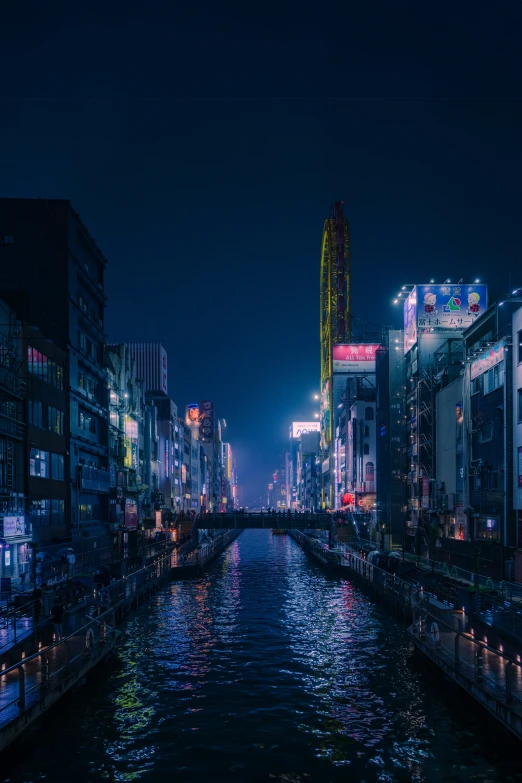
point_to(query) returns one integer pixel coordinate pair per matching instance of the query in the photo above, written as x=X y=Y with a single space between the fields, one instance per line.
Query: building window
x=41 y=513
x=86 y=422
x=39 y=463
x=57 y=467
x=369 y=469
x=476 y=385
x=85 y=512
x=519 y=399
x=486 y=433
x=366 y=448
x=55 y=420
x=44 y=368
x=494 y=378
x=368 y=414
x=519 y=336
x=88 y=384
x=57 y=512
x=82 y=341
x=82 y=304
x=8 y=239
x=366 y=431
x=36 y=413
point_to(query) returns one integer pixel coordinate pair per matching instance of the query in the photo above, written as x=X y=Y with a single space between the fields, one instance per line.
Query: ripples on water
x=264 y=669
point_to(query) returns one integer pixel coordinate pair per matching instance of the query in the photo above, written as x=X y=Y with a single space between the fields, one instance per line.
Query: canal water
x=264 y=669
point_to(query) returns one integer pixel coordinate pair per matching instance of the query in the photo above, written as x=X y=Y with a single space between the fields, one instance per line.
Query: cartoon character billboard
x=450 y=306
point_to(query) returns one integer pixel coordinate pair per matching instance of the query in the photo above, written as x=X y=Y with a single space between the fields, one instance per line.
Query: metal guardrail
x=492 y=669
x=44 y=668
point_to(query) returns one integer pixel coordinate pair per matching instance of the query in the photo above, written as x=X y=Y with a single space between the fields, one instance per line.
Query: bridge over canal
x=264 y=520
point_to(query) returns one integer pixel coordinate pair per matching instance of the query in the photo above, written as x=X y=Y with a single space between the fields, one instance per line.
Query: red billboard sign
x=131 y=516
x=354 y=357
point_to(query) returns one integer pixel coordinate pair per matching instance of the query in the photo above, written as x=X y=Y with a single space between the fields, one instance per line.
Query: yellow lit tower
x=335 y=327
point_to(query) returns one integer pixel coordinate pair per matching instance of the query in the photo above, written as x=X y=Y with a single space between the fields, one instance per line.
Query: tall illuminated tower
x=335 y=325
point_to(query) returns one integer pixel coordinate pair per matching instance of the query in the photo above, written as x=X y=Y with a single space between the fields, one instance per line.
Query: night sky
x=203 y=148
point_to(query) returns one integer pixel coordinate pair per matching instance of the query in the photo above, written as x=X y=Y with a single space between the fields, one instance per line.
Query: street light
x=316 y=396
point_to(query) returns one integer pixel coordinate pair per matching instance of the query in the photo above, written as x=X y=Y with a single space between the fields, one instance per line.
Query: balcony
x=94 y=479
x=9 y=382
x=12 y=427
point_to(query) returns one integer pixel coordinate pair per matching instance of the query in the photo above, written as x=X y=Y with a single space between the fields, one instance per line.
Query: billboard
x=131 y=515
x=163 y=362
x=206 y=413
x=354 y=357
x=325 y=414
x=298 y=427
x=14 y=526
x=192 y=415
x=490 y=358
x=450 y=306
x=410 y=320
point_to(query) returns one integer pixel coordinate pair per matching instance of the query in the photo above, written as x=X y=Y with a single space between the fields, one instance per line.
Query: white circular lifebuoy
x=89 y=638
x=435 y=636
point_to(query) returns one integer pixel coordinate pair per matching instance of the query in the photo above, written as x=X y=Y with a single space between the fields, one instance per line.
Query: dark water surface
x=264 y=669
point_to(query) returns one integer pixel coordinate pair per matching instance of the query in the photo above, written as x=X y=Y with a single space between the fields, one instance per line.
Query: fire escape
x=425 y=428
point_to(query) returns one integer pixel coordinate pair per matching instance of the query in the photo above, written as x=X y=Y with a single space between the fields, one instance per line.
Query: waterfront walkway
x=34 y=682
x=438 y=630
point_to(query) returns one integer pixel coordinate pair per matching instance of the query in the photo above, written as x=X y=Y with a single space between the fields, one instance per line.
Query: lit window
x=39 y=463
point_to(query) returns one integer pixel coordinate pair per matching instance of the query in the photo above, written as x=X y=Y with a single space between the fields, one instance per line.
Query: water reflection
x=264 y=669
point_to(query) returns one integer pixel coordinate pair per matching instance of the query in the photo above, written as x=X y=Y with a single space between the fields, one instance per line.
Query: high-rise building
x=151 y=365
x=390 y=426
x=435 y=318
x=56 y=283
x=14 y=528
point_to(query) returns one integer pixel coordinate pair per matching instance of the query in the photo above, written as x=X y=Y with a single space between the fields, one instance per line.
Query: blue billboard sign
x=450 y=306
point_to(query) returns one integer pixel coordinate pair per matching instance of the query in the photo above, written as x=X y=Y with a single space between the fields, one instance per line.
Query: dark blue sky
x=204 y=146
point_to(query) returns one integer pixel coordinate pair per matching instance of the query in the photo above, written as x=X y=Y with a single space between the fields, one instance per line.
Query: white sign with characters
x=14 y=526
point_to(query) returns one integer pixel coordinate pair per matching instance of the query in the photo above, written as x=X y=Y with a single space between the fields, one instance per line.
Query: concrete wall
x=446 y=435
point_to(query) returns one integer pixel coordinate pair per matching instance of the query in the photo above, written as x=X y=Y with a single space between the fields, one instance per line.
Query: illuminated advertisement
x=354 y=358
x=163 y=361
x=192 y=416
x=131 y=515
x=450 y=306
x=410 y=320
x=325 y=413
x=14 y=526
x=489 y=359
x=131 y=443
x=183 y=474
x=299 y=427
x=206 y=427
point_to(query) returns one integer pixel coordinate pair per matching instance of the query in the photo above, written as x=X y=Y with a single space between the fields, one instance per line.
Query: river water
x=264 y=669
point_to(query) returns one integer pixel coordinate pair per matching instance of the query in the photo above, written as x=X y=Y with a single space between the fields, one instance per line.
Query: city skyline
x=218 y=196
